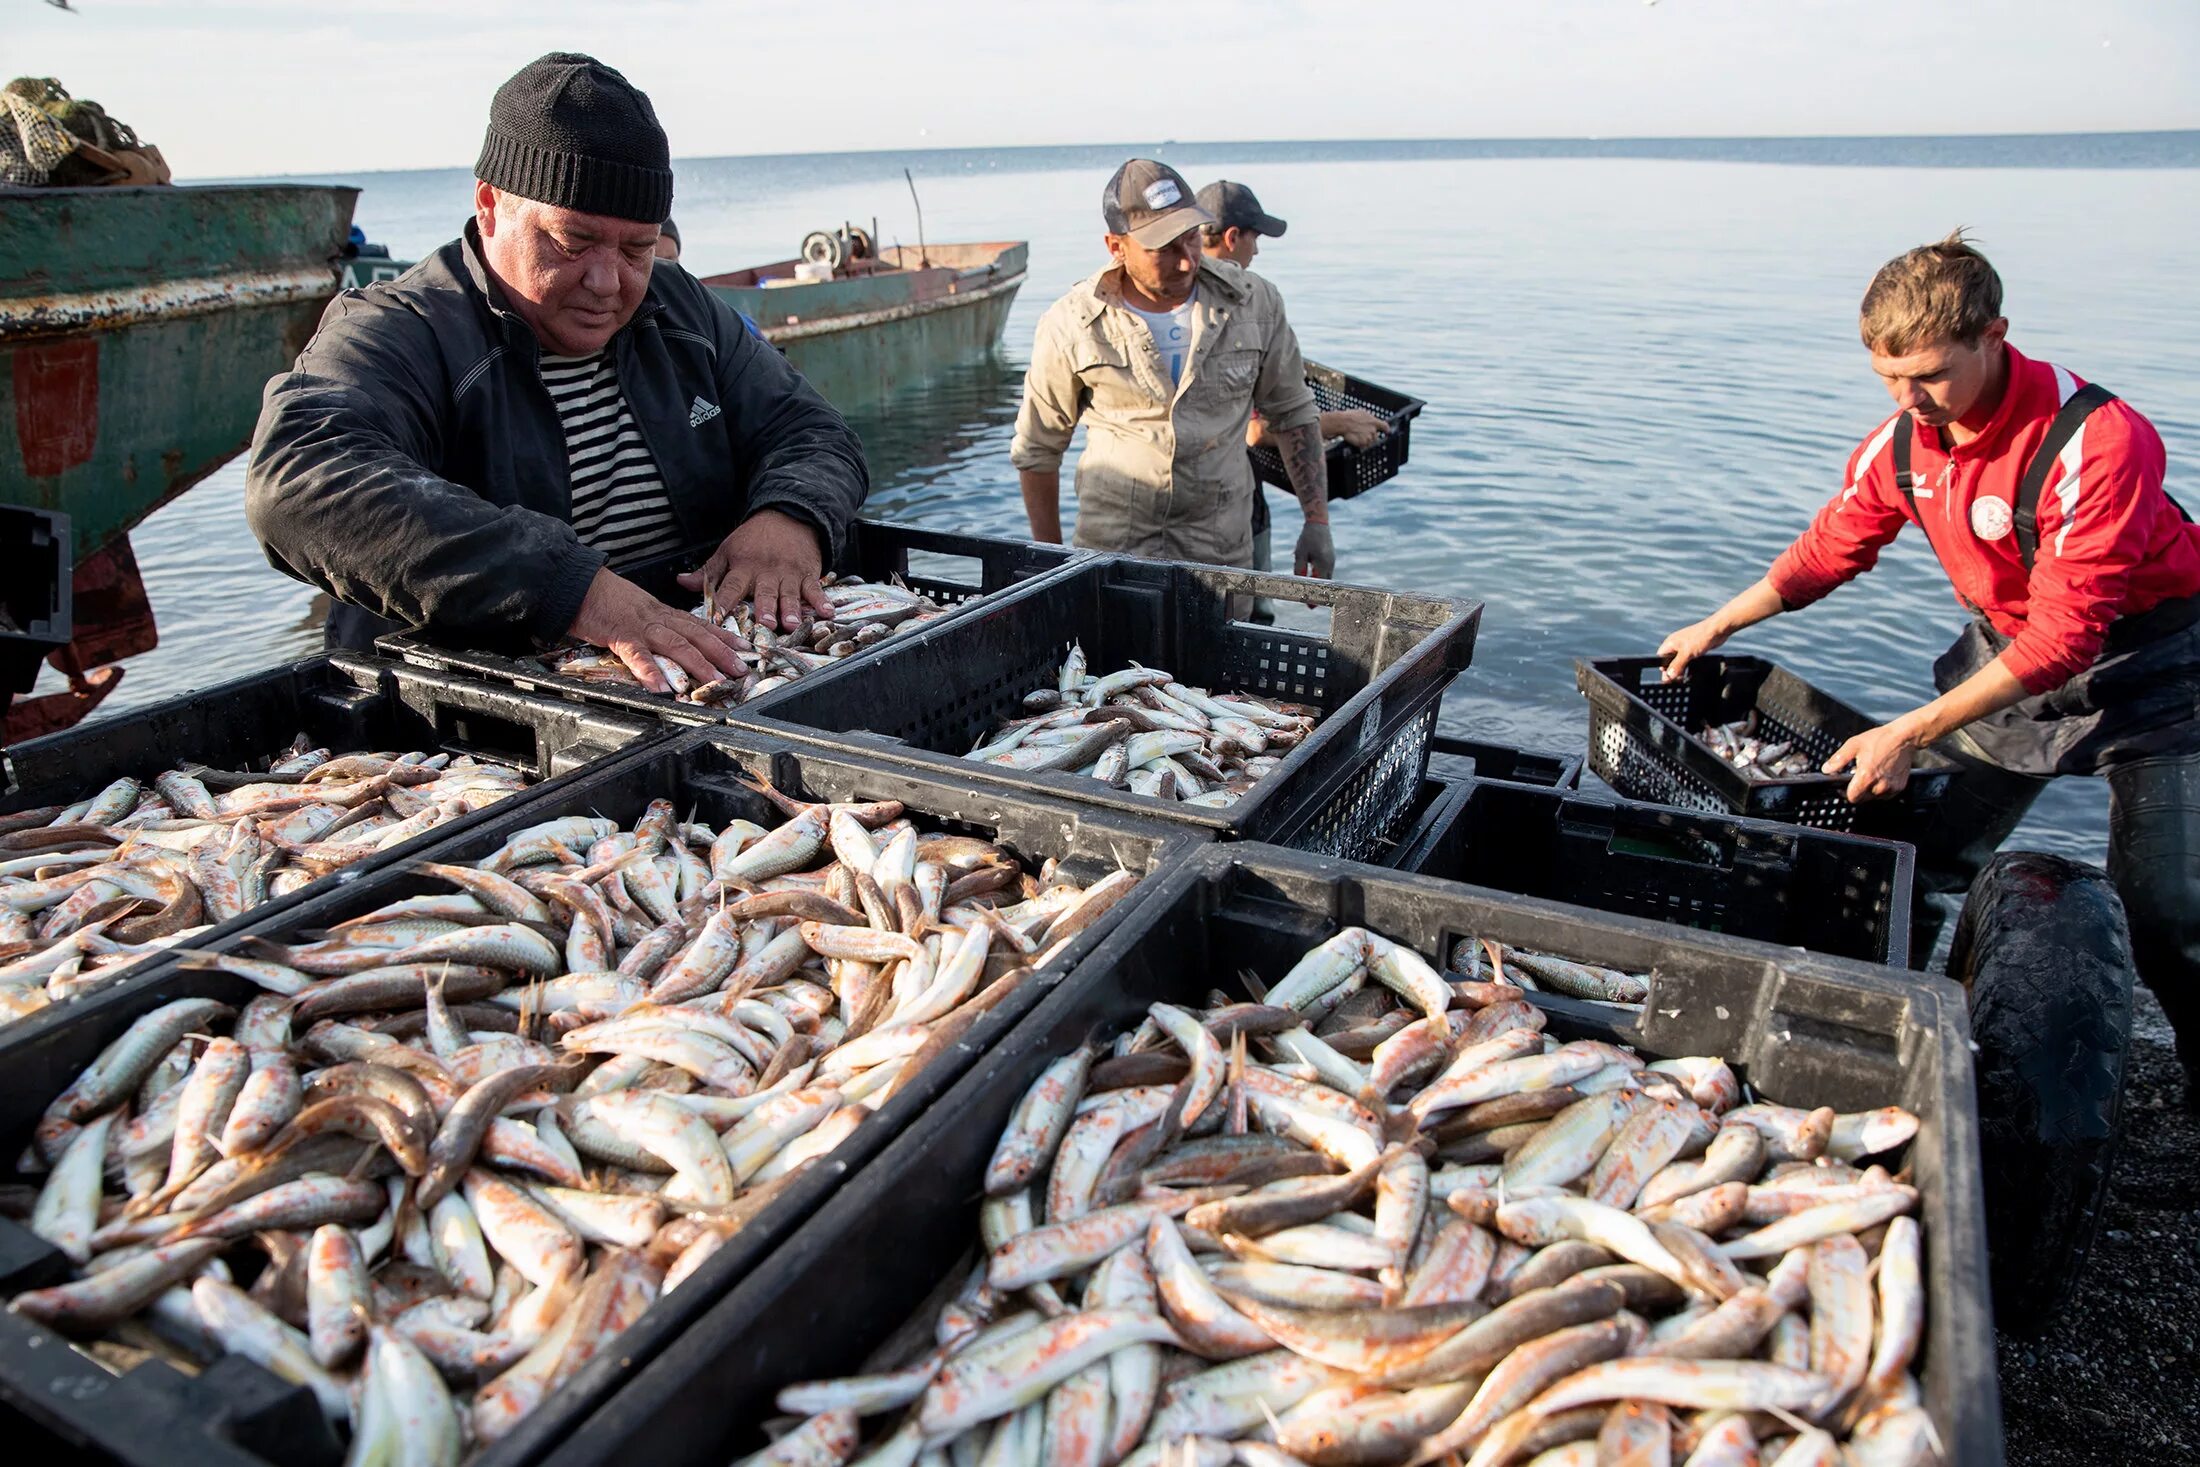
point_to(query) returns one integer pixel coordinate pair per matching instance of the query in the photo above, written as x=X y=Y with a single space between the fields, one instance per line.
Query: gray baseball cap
x=1151 y=203
x=1235 y=207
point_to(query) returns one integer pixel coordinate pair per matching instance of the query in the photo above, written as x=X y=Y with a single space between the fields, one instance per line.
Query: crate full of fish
x=890 y=580
x=1828 y=891
x=1257 y=1183
x=1132 y=684
x=1743 y=735
x=1352 y=471
x=437 y=1160
x=180 y=823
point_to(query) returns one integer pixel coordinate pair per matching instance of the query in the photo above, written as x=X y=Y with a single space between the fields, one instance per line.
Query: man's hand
x=1690 y=643
x=1882 y=758
x=1355 y=426
x=773 y=559
x=1746 y=610
x=1316 y=553
x=637 y=627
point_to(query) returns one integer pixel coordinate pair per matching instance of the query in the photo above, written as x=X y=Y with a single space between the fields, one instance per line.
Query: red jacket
x=2110 y=541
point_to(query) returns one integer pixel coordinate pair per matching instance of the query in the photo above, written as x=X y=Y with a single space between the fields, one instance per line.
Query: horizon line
x=1592 y=139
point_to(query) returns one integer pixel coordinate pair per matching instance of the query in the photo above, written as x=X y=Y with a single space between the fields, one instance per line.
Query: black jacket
x=411 y=463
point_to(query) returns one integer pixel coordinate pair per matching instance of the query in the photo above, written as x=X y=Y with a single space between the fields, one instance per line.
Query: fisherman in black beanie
x=570 y=131
x=479 y=447
x=574 y=184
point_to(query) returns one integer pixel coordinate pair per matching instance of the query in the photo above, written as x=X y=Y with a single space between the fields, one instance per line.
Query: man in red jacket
x=2043 y=498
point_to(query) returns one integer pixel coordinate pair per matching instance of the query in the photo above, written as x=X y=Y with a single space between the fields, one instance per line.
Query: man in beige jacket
x=1163 y=355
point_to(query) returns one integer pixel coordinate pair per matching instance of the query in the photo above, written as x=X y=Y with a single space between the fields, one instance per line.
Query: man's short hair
x=1944 y=291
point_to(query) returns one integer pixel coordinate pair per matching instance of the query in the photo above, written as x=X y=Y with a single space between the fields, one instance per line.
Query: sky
x=234 y=88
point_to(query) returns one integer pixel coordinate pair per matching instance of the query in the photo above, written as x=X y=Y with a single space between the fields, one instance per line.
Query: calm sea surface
x=1639 y=358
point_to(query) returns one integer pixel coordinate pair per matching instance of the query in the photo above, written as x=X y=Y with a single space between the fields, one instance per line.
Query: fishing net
x=49 y=138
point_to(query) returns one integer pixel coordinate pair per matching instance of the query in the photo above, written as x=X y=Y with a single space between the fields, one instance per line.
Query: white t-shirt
x=1172 y=335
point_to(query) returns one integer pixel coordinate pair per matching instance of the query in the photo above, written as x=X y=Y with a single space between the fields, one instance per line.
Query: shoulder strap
x=1904 y=428
x=2059 y=433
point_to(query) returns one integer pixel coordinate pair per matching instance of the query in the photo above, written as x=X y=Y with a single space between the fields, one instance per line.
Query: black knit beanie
x=569 y=131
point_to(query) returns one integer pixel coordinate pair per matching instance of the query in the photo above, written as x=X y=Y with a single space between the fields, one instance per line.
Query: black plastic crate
x=37 y=589
x=1378 y=677
x=146 y=1417
x=1452 y=765
x=1845 y=895
x=1643 y=742
x=1463 y=759
x=1351 y=470
x=1799 y=1028
x=345 y=702
x=1411 y=825
x=953 y=569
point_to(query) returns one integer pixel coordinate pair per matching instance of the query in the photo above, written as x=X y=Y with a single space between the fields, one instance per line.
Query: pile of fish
x=89 y=888
x=475 y=1133
x=1141 y=730
x=1479 y=959
x=1461 y=1241
x=865 y=613
x=1737 y=743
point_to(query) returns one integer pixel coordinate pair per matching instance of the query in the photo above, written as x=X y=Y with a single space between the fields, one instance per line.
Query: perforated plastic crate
x=1644 y=742
x=953 y=569
x=1377 y=676
x=1351 y=470
x=1830 y=892
x=346 y=703
x=236 y=1414
x=1799 y=1028
x=1453 y=765
x=1463 y=759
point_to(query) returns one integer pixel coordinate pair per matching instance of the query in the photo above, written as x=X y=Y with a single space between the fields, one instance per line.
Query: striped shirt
x=619 y=501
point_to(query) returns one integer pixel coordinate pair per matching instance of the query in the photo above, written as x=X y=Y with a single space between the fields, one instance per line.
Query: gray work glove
x=1316 y=553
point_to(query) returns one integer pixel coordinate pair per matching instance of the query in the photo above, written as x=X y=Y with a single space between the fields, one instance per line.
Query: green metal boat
x=883 y=321
x=137 y=329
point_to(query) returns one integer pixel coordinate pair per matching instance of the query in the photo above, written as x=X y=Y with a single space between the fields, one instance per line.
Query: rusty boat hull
x=138 y=327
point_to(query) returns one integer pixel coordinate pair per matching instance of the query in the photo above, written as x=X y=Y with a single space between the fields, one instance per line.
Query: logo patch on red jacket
x=1991 y=518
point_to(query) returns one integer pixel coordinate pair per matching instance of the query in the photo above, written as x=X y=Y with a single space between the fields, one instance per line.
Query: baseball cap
x=1235 y=207
x=1151 y=203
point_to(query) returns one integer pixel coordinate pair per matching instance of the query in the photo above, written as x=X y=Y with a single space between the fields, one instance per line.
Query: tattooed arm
x=1308 y=469
x=1294 y=427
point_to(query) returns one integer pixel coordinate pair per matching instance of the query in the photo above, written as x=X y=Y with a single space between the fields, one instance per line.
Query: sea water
x=1640 y=362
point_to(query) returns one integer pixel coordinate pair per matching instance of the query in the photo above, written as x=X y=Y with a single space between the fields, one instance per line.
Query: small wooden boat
x=880 y=319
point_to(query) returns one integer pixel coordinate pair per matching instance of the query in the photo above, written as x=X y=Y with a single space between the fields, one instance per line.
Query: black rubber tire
x=2044 y=952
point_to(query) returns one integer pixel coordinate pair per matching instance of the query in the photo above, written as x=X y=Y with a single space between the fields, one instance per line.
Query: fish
x=1139 y=728
x=864 y=615
x=466 y=1164
x=1537 y=970
x=190 y=847
x=1738 y=743
x=1591 y=1292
